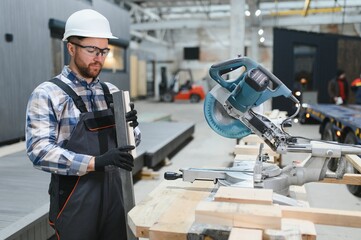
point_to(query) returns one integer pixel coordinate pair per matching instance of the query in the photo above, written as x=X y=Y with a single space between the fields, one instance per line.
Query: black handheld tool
x=172 y=175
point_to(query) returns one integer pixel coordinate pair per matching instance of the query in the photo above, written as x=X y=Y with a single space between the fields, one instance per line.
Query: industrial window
x=115 y=59
x=57 y=48
x=191 y=53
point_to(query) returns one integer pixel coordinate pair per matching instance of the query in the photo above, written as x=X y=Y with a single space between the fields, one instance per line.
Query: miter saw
x=229 y=109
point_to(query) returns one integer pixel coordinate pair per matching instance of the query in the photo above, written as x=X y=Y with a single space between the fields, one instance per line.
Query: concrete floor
x=208 y=149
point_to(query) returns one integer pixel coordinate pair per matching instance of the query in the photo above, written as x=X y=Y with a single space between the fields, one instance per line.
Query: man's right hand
x=119 y=157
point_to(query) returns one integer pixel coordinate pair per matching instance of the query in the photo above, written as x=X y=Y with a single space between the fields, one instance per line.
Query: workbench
x=183 y=210
x=204 y=210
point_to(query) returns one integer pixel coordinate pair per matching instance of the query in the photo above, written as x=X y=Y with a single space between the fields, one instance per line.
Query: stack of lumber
x=203 y=210
x=181 y=210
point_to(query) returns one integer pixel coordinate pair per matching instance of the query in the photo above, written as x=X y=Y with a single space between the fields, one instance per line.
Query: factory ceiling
x=153 y=18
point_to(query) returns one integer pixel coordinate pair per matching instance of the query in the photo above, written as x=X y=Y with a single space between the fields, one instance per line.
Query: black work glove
x=119 y=157
x=131 y=116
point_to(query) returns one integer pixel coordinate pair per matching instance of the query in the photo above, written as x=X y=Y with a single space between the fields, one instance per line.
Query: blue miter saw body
x=228 y=101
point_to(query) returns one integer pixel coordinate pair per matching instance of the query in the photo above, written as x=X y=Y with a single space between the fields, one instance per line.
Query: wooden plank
x=307 y=229
x=244 y=195
x=177 y=221
x=251 y=139
x=292 y=229
x=324 y=216
x=146 y=213
x=299 y=193
x=266 y=217
x=245 y=233
x=348 y=178
x=239 y=215
x=254 y=150
x=354 y=160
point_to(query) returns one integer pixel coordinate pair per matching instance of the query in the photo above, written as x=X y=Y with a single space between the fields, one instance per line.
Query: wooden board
x=244 y=195
x=268 y=217
x=149 y=211
x=253 y=150
x=306 y=229
x=348 y=178
x=251 y=139
x=239 y=215
x=245 y=233
x=299 y=193
x=355 y=161
x=292 y=229
x=176 y=222
x=324 y=216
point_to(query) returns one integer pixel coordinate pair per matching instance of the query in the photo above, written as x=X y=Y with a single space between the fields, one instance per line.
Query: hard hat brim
x=85 y=34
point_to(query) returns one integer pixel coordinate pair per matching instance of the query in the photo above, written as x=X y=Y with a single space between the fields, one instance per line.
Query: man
x=338 y=88
x=70 y=133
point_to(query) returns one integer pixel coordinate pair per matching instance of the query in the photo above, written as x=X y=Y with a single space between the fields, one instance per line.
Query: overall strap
x=77 y=100
x=108 y=97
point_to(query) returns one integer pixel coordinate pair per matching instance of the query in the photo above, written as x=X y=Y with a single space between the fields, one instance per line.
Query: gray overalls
x=88 y=207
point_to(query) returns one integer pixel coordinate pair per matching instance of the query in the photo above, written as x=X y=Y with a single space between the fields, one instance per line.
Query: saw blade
x=221 y=122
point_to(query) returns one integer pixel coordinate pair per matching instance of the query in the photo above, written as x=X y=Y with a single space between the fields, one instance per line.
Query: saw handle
x=217 y=70
x=278 y=88
x=172 y=175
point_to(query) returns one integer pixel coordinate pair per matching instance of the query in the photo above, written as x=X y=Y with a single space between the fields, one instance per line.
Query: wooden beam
x=348 y=178
x=146 y=213
x=251 y=139
x=307 y=229
x=244 y=195
x=292 y=229
x=244 y=233
x=177 y=221
x=324 y=216
x=253 y=150
x=354 y=160
x=266 y=217
x=239 y=215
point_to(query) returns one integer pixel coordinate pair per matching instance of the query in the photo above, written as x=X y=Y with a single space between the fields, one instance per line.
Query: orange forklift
x=181 y=88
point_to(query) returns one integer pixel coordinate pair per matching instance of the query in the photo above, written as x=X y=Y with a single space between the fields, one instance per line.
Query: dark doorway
x=313 y=58
x=304 y=62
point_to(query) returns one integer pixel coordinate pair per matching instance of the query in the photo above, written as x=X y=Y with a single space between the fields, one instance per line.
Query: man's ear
x=71 y=49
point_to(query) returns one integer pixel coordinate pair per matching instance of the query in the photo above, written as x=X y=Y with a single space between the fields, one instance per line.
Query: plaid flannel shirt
x=51 y=117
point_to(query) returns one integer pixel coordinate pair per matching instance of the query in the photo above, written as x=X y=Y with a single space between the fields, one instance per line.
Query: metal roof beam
x=176 y=24
x=266 y=22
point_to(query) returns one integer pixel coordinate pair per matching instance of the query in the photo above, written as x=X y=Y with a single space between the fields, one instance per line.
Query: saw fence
x=201 y=210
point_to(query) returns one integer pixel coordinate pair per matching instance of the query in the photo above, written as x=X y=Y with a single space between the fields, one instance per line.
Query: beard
x=88 y=71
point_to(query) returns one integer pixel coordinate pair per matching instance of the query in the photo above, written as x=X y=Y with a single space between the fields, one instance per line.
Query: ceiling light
x=247 y=13
x=258 y=12
x=262 y=39
x=260 y=32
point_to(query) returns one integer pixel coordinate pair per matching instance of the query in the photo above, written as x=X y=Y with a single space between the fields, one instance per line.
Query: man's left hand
x=131 y=116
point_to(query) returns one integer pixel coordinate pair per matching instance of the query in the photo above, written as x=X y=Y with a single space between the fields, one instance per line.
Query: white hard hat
x=87 y=23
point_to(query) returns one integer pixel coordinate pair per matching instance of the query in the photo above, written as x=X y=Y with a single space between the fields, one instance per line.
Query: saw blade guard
x=229 y=100
x=220 y=121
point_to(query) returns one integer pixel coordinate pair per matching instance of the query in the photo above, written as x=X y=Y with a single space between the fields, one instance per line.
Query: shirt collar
x=69 y=74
